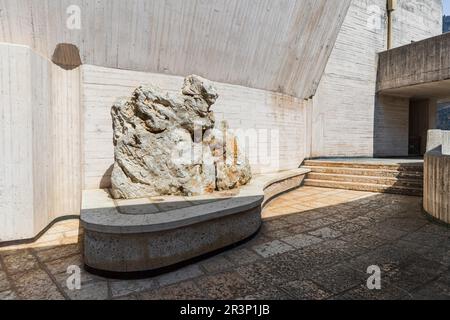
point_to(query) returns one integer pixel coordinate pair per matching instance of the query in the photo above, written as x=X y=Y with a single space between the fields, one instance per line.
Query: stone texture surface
x=413 y=255
x=167 y=144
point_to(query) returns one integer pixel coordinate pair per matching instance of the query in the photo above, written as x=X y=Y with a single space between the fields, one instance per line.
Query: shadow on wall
x=105 y=181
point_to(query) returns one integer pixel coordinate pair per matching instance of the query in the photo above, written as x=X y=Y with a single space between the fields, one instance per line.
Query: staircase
x=382 y=177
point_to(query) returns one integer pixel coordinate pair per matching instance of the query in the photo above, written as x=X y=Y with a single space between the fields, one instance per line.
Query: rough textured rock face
x=167 y=144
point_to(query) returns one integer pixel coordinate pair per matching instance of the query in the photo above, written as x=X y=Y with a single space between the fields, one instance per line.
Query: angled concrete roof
x=277 y=45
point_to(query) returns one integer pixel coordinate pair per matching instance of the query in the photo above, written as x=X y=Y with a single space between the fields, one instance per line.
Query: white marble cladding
x=279 y=121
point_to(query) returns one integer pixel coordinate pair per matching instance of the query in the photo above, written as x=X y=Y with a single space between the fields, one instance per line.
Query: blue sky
x=446 y=7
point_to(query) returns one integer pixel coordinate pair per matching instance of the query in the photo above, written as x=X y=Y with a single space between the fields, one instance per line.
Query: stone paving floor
x=314 y=244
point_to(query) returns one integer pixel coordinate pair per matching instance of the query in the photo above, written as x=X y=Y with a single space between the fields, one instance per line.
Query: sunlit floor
x=314 y=244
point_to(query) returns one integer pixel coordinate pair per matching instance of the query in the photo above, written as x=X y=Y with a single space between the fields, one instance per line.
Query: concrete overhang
x=439 y=90
x=418 y=70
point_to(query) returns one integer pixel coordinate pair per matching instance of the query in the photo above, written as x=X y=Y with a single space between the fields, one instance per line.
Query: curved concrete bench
x=134 y=236
x=436 y=200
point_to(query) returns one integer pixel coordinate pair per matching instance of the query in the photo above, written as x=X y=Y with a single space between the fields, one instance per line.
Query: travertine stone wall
x=285 y=119
x=344 y=106
x=40 y=142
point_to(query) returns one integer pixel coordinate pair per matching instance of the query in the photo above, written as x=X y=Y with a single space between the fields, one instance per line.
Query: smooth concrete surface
x=150 y=240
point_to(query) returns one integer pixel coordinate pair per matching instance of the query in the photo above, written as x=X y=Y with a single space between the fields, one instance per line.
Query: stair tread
x=368 y=165
x=363 y=184
x=365 y=169
x=402 y=179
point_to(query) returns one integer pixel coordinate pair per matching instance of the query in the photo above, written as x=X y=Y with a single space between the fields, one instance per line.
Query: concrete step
x=364 y=179
x=364 y=187
x=410 y=167
x=367 y=172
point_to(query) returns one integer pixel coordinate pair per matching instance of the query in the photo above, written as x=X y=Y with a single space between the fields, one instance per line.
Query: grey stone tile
x=428 y=239
x=260 y=238
x=282 y=233
x=319 y=223
x=8 y=295
x=320 y=256
x=268 y=294
x=347 y=247
x=61 y=265
x=186 y=273
x=326 y=233
x=86 y=277
x=305 y=290
x=435 y=290
x=274 y=224
x=58 y=252
x=346 y=227
x=301 y=240
x=181 y=291
x=272 y=248
x=363 y=221
x=298 y=229
x=405 y=224
x=4 y=283
x=384 y=232
x=363 y=293
x=339 y=278
x=242 y=256
x=122 y=288
x=295 y=219
x=260 y=275
x=216 y=264
x=97 y=290
x=364 y=239
x=36 y=285
x=229 y=285
x=436 y=229
x=20 y=261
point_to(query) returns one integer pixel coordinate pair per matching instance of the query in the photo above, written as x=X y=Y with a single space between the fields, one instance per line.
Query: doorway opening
x=422 y=117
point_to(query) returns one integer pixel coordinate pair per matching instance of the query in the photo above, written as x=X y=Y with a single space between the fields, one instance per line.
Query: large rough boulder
x=167 y=144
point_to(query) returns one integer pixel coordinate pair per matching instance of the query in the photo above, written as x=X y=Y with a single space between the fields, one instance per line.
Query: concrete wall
x=436 y=200
x=391 y=126
x=415 y=20
x=265 y=44
x=40 y=142
x=284 y=118
x=344 y=107
x=417 y=63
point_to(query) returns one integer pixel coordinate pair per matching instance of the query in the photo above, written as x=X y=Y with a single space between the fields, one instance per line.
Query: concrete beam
x=420 y=69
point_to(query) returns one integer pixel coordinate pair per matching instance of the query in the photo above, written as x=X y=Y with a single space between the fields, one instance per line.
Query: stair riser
x=362 y=187
x=365 y=179
x=363 y=172
x=403 y=168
